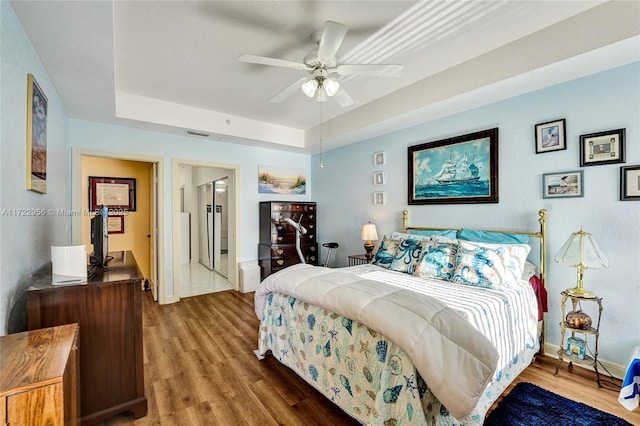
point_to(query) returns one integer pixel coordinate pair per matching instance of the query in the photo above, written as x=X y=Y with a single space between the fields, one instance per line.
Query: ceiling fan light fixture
x=310 y=87
x=331 y=86
x=321 y=94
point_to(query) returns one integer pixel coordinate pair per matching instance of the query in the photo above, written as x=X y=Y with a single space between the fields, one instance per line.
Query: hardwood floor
x=200 y=370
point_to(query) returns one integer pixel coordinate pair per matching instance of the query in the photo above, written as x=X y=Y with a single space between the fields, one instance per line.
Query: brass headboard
x=540 y=234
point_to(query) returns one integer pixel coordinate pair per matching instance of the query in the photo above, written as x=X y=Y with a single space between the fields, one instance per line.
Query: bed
x=432 y=332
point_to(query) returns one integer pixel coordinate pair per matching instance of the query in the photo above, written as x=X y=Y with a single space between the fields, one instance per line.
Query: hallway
x=196 y=279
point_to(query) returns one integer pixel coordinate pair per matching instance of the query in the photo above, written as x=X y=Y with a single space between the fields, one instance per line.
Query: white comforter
x=453 y=358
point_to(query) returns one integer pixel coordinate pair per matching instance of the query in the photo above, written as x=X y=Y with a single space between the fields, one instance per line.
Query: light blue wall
x=123 y=140
x=609 y=100
x=25 y=240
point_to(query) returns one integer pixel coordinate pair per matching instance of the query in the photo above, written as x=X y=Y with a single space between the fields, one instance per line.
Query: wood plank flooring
x=200 y=370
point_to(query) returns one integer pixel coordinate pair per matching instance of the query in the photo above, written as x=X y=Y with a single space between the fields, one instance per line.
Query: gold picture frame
x=36 y=137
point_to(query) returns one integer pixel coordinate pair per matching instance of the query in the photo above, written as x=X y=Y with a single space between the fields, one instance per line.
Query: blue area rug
x=529 y=405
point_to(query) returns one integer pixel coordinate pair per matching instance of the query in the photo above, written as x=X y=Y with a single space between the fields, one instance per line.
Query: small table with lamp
x=580 y=251
x=359 y=259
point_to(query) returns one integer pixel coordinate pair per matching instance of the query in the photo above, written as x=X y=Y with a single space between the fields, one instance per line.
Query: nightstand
x=577 y=353
x=358 y=259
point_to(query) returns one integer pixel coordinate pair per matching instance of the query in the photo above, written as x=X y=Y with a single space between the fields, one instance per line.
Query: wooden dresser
x=277 y=246
x=39 y=377
x=108 y=309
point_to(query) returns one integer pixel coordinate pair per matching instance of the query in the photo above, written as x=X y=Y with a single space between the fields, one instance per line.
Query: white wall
x=26 y=240
x=123 y=140
x=609 y=100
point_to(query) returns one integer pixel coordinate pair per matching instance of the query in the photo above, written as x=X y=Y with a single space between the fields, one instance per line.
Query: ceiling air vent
x=197 y=133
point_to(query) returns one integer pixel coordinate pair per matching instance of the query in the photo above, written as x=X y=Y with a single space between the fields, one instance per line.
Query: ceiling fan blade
x=382 y=70
x=332 y=37
x=343 y=98
x=290 y=90
x=262 y=60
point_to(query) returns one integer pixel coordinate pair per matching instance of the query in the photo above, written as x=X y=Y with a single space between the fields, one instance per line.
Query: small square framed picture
x=378 y=178
x=550 y=136
x=563 y=184
x=378 y=198
x=602 y=148
x=630 y=183
x=379 y=159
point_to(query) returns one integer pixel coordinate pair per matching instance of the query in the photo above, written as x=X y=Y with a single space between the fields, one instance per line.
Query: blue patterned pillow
x=490 y=265
x=438 y=260
x=386 y=252
x=407 y=255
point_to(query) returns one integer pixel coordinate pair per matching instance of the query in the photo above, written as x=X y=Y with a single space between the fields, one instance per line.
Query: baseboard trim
x=618 y=371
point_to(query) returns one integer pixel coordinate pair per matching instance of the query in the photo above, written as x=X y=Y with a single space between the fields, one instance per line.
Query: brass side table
x=359 y=259
x=588 y=332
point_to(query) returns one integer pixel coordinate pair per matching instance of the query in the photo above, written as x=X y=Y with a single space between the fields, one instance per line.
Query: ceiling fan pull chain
x=321 y=163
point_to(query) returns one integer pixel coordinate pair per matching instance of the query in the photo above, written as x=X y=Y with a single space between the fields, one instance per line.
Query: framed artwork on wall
x=378 y=178
x=563 y=184
x=378 y=198
x=462 y=169
x=36 y=137
x=117 y=194
x=602 y=148
x=379 y=159
x=630 y=183
x=551 y=136
x=115 y=224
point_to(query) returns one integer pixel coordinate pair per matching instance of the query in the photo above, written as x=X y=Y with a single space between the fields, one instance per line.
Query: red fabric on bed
x=541 y=295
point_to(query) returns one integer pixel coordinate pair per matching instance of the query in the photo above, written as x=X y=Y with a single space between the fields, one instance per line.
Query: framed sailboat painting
x=458 y=170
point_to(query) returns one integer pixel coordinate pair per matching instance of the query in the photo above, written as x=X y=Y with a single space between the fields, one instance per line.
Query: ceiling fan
x=322 y=66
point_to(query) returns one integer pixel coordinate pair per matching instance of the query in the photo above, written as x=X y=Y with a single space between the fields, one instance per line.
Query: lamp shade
x=369 y=232
x=309 y=88
x=580 y=250
x=331 y=86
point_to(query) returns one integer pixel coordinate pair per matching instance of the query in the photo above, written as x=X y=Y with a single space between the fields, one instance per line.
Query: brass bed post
x=405 y=219
x=542 y=213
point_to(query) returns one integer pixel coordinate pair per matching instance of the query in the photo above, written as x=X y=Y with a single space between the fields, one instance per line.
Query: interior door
x=153 y=232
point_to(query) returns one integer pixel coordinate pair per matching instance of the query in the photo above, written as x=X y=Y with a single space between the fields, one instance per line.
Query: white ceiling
x=173 y=65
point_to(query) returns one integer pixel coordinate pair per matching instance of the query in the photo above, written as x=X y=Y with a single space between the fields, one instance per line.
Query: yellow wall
x=136 y=223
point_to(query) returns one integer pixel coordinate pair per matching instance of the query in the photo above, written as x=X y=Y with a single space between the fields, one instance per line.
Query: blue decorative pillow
x=407 y=255
x=386 y=252
x=490 y=265
x=476 y=235
x=438 y=260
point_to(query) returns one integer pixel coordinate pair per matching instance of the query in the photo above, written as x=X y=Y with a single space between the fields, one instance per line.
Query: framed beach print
x=551 y=136
x=602 y=148
x=117 y=194
x=36 y=137
x=462 y=169
x=563 y=184
x=630 y=183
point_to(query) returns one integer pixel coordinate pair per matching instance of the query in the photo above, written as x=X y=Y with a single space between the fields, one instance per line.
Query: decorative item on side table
x=580 y=251
x=369 y=234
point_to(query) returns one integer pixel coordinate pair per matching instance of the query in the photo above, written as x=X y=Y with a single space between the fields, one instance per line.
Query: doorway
x=138 y=228
x=207 y=231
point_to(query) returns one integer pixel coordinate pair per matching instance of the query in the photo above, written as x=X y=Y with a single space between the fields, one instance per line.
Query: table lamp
x=582 y=252
x=369 y=235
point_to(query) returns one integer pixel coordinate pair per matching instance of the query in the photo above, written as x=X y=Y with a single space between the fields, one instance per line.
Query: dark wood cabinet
x=108 y=309
x=277 y=246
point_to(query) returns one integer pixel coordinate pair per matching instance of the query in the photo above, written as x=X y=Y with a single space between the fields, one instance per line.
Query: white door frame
x=233 y=254
x=76 y=202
